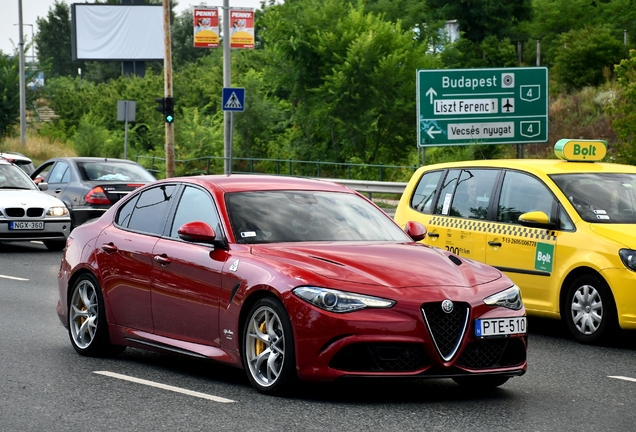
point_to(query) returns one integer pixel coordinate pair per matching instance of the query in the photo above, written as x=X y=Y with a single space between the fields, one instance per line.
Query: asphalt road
x=45 y=385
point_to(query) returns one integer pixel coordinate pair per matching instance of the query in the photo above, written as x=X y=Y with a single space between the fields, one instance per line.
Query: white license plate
x=500 y=326
x=26 y=225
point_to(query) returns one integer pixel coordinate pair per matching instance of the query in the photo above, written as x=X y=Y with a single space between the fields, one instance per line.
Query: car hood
x=624 y=234
x=27 y=198
x=383 y=264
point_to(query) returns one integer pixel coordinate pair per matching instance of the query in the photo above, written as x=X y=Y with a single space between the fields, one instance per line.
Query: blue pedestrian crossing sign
x=233 y=99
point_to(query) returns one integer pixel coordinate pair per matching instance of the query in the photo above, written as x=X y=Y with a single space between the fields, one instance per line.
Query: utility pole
x=167 y=72
x=22 y=80
x=227 y=82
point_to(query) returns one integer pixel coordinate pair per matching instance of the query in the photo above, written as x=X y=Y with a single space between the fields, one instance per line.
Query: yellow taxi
x=564 y=230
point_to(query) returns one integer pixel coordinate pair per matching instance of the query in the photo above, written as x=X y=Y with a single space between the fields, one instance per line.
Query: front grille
x=18 y=212
x=495 y=353
x=380 y=357
x=446 y=329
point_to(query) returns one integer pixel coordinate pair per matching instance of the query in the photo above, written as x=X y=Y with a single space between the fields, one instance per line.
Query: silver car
x=27 y=213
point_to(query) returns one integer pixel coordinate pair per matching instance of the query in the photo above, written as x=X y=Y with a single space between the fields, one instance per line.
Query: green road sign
x=486 y=106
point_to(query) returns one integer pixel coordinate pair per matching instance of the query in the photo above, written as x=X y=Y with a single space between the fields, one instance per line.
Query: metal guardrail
x=369 y=187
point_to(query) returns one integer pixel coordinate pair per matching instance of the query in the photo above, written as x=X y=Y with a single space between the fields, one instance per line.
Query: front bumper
x=396 y=342
x=57 y=229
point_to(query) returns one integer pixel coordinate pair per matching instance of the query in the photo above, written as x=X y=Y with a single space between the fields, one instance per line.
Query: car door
x=125 y=257
x=459 y=221
x=58 y=178
x=187 y=276
x=526 y=255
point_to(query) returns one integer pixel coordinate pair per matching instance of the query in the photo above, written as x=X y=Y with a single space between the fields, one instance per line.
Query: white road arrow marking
x=431 y=132
x=430 y=93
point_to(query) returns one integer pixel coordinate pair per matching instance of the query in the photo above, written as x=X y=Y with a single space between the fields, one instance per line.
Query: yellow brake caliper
x=82 y=308
x=260 y=345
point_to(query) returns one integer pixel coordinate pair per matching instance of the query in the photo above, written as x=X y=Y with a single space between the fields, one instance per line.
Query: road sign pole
x=227 y=82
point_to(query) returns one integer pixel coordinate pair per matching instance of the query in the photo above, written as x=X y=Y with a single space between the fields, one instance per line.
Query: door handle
x=109 y=247
x=58 y=190
x=162 y=259
x=494 y=243
x=433 y=235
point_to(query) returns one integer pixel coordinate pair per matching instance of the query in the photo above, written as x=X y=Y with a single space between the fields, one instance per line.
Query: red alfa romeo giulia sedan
x=289 y=279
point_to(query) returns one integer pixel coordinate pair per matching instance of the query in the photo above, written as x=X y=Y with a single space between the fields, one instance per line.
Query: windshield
x=601 y=198
x=294 y=216
x=12 y=177
x=114 y=171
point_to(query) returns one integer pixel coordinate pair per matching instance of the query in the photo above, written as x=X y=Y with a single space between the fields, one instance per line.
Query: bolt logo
x=580 y=150
x=544 y=257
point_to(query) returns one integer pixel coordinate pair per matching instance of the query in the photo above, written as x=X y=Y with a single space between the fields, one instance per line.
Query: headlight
x=628 y=257
x=510 y=298
x=340 y=301
x=57 y=211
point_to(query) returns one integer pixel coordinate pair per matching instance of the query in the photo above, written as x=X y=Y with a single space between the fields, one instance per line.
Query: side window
x=151 y=209
x=422 y=199
x=522 y=193
x=123 y=215
x=195 y=205
x=448 y=190
x=473 y=192
x=60 y=173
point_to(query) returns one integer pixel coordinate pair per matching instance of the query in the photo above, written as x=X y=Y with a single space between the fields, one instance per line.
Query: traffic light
x=162 y=105
x=168 y=112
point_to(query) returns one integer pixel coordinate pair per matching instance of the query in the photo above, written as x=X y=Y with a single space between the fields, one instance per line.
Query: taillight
x=97 y=196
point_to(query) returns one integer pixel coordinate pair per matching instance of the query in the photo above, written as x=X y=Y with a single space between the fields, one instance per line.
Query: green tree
x=481 y=18
x=584 y=55
x=624 y=110
x=9 y=92
x=349 y=77
x=491 y=52
x=53 y=41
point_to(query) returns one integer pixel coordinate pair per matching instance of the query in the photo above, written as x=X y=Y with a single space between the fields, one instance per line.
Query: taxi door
x=526 y=255
x=459 y=221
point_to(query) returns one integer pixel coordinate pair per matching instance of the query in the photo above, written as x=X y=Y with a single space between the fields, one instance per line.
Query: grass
x=38 y=148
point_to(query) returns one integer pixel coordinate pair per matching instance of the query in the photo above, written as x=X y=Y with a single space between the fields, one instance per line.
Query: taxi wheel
x=589 y=310
x=87 y=326
x=481 y=382
x=268 y=347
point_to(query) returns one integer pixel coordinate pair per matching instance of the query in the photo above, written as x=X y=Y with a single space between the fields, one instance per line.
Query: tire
x=589 y=310
x=268 y=347
x=87 y=326
x=481 y=382
x=55 y=245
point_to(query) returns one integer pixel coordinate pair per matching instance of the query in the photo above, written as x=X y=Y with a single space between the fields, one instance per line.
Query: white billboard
x=117 y=32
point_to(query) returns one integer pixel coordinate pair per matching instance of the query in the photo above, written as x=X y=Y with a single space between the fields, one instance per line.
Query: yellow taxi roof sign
x=580 y=150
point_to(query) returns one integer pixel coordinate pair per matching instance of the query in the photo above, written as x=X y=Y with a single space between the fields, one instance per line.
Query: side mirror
x=197 y=232
x=536 y=219
x=43 y=186
x=415 y=230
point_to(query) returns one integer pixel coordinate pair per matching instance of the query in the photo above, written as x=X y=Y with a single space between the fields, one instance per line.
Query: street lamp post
x=22 y=83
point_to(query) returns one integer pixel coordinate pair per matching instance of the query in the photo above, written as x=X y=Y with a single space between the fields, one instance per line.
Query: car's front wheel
x=589 y=309
x=87 y=324
x=268 y=347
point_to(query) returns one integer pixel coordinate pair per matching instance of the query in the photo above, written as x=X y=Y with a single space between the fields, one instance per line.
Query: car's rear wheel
x=589 y=309
x=481 y=382
x=87 y=324
x=268 y=347
x=54 y=245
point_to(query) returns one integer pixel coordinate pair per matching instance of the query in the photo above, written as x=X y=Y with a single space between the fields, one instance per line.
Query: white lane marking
x=623 y=378
x=13 y=278
x=164 y=386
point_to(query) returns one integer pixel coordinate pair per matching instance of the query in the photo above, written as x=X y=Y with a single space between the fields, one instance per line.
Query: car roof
x=15 y=157
x=538 y=166
x=91 y=159
x=257 y=182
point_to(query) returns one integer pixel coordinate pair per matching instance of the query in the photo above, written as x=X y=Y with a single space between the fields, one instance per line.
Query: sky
x=33 y=9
